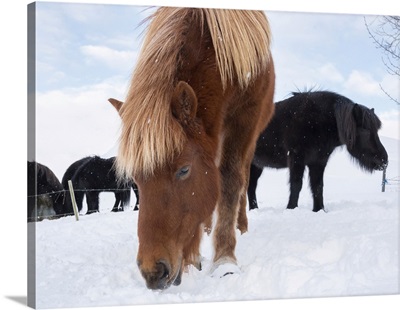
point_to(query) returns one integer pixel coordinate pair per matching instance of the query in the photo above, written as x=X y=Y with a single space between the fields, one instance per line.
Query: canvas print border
x=321 y=253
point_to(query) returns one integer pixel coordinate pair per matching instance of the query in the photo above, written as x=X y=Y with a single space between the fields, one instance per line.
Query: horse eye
x=183 y=172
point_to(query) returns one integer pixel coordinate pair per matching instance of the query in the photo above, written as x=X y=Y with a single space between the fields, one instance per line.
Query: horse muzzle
x=381 y=165
x=161 y=276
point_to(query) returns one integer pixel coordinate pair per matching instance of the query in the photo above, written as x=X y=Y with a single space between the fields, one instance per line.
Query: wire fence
x=388 y=185
x=71 y=191
x=391 y=184
x=84 y=190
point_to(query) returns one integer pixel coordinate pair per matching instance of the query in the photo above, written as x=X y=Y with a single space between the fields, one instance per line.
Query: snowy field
x=351 y=250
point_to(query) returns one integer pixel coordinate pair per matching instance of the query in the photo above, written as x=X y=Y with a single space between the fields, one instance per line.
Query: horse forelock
x=369 y=119
x=150 y=136
x=149 y=140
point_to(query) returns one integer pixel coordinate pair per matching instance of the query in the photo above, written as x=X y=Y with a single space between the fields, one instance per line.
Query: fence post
x=71 y=191
x=383 y=179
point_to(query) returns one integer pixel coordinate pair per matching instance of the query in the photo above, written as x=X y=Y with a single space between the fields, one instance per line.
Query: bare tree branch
x=385 y=34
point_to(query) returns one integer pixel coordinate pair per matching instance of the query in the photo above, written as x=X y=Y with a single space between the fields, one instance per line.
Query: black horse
x=45 y=193
x=92 y=175
x=305 y=130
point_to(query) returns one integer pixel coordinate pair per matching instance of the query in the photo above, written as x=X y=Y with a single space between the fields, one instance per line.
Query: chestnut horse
x=200 y=95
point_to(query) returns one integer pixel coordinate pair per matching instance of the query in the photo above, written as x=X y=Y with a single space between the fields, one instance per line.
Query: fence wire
x=84 y=190
x=392 y=184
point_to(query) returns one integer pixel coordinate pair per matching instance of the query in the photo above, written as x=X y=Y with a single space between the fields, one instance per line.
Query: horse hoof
x=223 y=269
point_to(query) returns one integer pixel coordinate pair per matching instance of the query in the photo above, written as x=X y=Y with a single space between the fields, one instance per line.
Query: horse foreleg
x=125 y=198
x=92 y=199
x=296 y=171
x=242 y=128
x=255 y=174
x=242 y=222
x=237 y=153
x=224 y=233
x=117 y=202
x=79 y=201
x=136 y=191
x=316 y=173
x=232 y=183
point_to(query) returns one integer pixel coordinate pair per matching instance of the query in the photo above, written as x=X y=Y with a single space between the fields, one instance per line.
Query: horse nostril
x=158 y=276
x=162 y=270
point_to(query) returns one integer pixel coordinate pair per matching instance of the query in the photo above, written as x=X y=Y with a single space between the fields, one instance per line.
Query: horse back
x=304 y=124
x=71 y=170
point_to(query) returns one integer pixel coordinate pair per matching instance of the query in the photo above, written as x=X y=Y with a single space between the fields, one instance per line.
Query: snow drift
x=351 y=249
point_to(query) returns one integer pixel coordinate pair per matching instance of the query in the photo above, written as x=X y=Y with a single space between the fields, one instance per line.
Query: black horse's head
x=49 y=185
x=358 y=128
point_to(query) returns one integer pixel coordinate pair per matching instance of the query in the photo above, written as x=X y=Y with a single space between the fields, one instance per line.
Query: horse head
x=362 y=140
x=177 y=199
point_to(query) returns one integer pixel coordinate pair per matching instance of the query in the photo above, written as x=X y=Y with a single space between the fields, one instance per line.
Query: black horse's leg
x=117 y=202
x=296 y=171
x=255 y=174
x=316 y=173
x=92 y=199
x=125 y=198
x=78 y=199
x=136 y=191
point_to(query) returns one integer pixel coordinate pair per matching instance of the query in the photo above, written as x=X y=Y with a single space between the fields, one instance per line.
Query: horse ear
x=184 y=103
x=116 y=103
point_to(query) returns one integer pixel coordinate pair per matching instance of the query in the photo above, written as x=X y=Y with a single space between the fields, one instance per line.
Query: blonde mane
x=150 y=136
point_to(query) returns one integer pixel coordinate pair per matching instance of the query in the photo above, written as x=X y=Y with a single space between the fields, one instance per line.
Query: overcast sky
x=86 y=54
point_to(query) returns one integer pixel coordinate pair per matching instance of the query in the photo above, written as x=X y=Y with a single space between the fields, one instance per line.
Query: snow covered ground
x=351 y=250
